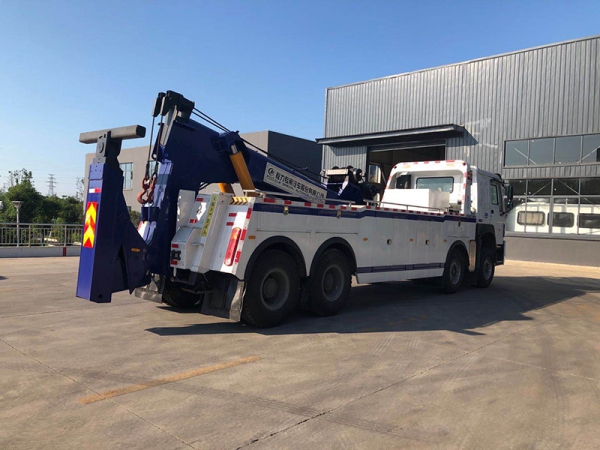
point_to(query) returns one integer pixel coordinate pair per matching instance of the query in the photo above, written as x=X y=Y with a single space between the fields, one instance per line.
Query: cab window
x=494 y=192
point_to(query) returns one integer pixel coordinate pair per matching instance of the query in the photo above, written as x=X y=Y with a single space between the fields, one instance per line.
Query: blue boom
x=114 y=256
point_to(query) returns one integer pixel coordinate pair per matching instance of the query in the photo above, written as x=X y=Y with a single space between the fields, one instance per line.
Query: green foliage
x=36 y=208
x=22 y=190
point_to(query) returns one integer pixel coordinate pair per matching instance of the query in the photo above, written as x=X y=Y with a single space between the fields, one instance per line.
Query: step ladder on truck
x=289 y=241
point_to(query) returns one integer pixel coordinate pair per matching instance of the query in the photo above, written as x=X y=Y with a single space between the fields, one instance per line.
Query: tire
x=330 y=283
x=454 y=272
x=486 y=268
x=174 y=296
x=272 y=290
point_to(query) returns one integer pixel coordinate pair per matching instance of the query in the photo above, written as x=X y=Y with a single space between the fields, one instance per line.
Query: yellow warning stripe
x=239 y=200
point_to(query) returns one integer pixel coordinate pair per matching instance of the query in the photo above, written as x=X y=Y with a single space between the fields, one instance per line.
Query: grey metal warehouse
x=532 y=115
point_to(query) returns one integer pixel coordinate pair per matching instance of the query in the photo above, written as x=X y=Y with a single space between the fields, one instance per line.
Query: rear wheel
x=485 y=271
x=272 y=289
x=174 y=296
x=454 y=272
x=330 y=284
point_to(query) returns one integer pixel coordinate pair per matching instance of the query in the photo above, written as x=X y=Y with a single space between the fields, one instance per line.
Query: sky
x=70 y=66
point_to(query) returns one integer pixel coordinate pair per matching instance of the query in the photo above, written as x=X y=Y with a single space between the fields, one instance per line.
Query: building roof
x=469 y=61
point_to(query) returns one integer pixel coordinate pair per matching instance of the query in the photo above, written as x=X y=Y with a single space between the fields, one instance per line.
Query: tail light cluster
x=232 y=247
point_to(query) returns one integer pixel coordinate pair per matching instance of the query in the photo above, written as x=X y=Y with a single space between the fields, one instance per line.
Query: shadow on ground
x=405 y=307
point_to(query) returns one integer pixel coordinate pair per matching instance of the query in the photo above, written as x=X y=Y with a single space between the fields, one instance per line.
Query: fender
x=458 y=244
x=274 y=241
x=328 y=243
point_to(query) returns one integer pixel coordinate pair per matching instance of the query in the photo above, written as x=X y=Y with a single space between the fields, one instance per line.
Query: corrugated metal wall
x=344 y=156
x=547 y=91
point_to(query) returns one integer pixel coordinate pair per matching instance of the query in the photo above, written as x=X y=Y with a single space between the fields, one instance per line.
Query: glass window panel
x=589 y=215
x=127 y=169
x=564 y=213
x=515 y=153
x=566 y=186
x=538 y=205
x=590 y=186
x=541 y=152
x=531 y=218
x=442 y=184
x=541 y=186
x=494 y=192
x=590 y=153
x=562 y=220
x=568 y=150
x=519 y=186
x=511 y=218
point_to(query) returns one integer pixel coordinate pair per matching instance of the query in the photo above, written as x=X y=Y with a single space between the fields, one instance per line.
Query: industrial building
x=299 y=152
x=532 y=115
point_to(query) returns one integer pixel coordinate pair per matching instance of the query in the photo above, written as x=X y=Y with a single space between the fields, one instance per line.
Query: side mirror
x=509 y=197
x=509 y=192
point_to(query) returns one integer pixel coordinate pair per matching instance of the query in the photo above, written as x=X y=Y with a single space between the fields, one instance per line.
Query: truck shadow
x=404 y=306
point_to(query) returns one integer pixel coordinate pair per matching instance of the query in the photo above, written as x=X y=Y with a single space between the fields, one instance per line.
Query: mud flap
x=225 y=299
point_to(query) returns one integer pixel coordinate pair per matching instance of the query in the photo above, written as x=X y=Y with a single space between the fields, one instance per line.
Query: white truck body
x=408 y=236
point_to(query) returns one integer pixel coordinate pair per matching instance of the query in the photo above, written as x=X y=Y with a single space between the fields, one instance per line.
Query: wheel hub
x=333 y=283
x=275 y=288
x=270 y=288
x=455 y=272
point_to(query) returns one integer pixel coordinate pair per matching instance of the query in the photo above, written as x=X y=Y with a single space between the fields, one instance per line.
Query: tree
x=22 y=189
x=36 y=208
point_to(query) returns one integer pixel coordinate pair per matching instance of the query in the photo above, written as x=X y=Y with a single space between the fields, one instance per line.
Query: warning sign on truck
x=293 y=185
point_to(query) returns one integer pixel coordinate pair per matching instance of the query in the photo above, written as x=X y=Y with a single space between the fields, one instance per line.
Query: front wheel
x=454 y=272
x=330 y=283
x=485 y=271
x=272 y=290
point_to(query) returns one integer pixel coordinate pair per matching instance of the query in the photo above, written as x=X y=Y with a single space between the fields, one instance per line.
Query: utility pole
x=51 y=185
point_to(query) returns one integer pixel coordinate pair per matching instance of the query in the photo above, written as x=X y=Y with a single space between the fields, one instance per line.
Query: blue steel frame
x=192 y=154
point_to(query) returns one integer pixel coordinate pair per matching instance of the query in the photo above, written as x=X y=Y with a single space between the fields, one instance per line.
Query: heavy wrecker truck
x=289 y=241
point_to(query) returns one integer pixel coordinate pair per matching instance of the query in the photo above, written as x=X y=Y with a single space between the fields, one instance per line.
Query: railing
x=40 y=235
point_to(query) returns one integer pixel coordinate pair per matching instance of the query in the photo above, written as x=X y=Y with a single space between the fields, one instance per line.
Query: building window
x=555 y=206
x=153 y=165
x=562 y=150
x=127 y=169
x=590 y=153
x=541 y=152
x=568 y=150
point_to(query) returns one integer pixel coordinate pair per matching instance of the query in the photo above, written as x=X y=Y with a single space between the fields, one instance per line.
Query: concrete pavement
x=513 y=366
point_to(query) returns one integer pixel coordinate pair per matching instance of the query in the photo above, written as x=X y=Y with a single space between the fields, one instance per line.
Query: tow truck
x=289 y=240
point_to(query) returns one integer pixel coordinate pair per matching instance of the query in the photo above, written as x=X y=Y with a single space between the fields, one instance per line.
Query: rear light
x=232 y=247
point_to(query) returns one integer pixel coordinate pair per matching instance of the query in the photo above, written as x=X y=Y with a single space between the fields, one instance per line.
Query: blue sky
x=72 y=66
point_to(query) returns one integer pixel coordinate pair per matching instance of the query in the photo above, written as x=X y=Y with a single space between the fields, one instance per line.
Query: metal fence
x=40 y=234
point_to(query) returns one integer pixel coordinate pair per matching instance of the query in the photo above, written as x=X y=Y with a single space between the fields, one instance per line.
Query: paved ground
x=513 y=366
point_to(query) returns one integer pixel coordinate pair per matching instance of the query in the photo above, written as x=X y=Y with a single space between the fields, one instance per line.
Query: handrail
x=406 y=204
x=40 y=234
x=282 y=194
